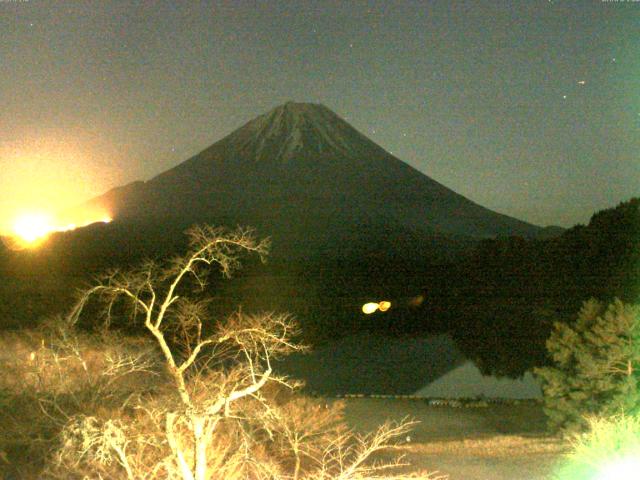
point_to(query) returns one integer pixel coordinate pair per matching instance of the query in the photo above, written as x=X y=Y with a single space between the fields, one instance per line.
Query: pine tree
x=596 y=369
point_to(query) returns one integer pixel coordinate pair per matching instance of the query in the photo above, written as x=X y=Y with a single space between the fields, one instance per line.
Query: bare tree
x=218 y=421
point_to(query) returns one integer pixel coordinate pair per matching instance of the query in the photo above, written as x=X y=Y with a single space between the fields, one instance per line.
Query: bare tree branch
x=221 y=374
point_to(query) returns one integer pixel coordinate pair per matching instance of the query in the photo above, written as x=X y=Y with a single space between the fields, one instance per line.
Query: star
x=564 y=96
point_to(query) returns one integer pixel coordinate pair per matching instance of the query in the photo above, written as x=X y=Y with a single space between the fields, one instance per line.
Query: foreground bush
x=610 y=450
x=197 y=399
x=596 y=369
x=49 y=375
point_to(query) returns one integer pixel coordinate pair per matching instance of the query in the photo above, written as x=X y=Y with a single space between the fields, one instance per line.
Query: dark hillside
x=502 y=300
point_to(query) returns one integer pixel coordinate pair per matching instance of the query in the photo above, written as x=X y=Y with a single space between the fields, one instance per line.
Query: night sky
x=530 y=108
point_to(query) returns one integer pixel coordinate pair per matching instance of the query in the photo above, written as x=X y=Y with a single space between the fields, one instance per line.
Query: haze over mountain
x=304 y=176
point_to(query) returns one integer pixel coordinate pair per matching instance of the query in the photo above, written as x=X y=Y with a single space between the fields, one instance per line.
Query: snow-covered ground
x=497 y=441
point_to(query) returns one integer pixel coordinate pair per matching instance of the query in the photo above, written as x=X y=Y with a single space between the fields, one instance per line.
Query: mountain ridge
x=302 y=161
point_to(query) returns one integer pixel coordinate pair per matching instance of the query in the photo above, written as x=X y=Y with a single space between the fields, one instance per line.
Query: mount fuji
x=305 y=177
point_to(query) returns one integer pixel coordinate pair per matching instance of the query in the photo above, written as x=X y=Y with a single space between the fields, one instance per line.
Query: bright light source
x=623 y=469
x=370 y=307
x=30 y=230
x=32 y=227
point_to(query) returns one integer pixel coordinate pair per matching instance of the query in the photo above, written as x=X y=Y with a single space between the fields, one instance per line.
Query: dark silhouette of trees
x=504 y=298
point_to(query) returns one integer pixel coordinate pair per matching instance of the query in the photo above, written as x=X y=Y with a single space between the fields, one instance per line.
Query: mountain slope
x=305 y=176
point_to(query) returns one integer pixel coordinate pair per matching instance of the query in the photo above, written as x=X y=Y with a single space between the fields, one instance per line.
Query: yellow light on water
x=369 y=308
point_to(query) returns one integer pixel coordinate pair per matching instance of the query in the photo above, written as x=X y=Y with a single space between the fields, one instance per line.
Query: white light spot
x=32 y=227
x=622 y=469
x=369 y=308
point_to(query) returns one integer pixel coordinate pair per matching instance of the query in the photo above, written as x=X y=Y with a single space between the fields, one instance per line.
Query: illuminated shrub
x=609 y=451
x=596 y=362
x=52 y=374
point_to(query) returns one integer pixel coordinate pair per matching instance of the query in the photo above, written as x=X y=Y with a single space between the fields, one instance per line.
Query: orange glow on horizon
x=54 y=172
x=32 y=229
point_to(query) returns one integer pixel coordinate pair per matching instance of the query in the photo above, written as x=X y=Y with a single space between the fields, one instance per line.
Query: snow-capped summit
x=294 y=127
